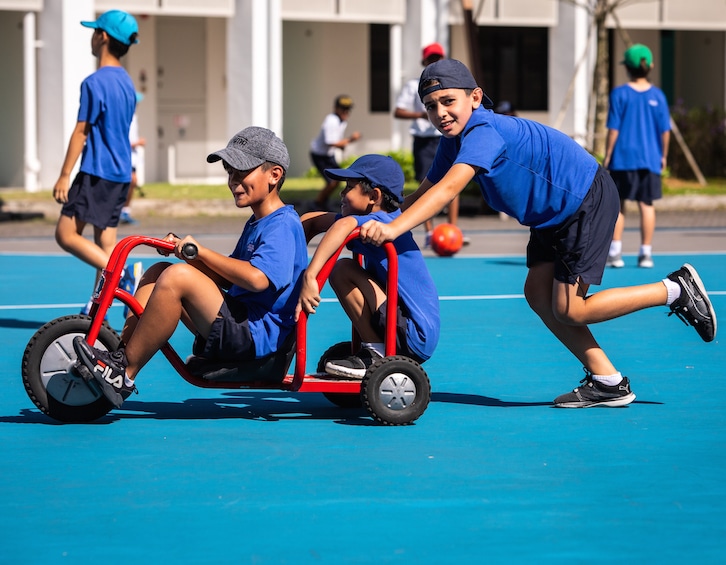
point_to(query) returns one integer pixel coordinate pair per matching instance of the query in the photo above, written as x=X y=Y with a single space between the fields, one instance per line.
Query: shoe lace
x=678 y=311
x=588 y=376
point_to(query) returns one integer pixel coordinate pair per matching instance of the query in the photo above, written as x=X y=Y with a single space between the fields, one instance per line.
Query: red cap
x=433 y=49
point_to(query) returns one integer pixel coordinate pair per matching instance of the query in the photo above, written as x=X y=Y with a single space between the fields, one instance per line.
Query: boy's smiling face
x=355 y=201
x=251 y=187
x=449 y=109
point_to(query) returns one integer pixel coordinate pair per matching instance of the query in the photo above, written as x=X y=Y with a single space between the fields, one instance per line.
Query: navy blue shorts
x=229 y=338
x=96 y=201
x=579 y=247
x=642 y=185
x=378 y=321
x=424 y=151
x=323 y=162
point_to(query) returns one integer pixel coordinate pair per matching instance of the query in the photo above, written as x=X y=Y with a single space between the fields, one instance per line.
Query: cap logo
x=241 y=141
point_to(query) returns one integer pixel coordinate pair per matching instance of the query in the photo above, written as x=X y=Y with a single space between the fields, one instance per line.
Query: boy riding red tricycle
x=395 y=389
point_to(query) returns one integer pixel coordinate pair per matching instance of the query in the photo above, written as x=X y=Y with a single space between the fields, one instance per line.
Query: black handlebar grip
x=189 y=251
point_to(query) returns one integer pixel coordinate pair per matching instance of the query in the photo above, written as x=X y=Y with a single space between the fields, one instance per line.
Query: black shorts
x=424 y=151
x=96 y=201
x=229 y=338
x=378 y=321
x=579 y=247
x=323 y=162
x=642 y=185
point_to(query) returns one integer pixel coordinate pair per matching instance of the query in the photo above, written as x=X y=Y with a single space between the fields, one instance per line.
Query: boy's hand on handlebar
x=181 y=243
x=169 y=238
x=309 y=297
x=376 y=233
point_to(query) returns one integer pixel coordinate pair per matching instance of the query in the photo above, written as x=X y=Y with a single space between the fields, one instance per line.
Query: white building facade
x=210 y=68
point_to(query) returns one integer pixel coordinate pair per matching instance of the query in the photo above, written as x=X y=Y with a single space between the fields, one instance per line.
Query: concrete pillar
x=255 y=82
x=64 y=60
x=569 y=94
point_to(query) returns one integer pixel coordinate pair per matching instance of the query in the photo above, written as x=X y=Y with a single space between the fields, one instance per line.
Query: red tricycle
x=395 y=389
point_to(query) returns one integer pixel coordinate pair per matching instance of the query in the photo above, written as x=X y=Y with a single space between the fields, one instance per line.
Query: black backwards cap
x=448 y=73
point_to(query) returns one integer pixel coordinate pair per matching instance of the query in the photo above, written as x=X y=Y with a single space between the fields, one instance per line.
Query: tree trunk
x=601 y=84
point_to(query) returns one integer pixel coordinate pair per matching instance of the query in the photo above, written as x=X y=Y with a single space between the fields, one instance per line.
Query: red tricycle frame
x=395 y=389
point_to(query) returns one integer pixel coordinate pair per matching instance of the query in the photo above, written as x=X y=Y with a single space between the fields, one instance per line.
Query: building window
x=514 y=65
x=379 y=58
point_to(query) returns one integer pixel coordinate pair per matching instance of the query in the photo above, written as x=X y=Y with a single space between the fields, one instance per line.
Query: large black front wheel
x=48 y=375
x=395 y=390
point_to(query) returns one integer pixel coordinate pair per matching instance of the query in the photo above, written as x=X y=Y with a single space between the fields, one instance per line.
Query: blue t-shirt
x=640 y=118
x=108 y=102
x=276 y=246
x=532 y=172
x=417 y=294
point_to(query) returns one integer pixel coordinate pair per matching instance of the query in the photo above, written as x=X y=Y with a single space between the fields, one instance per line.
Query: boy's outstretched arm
x=430 y=202
x=332 y=240
x=316 y=222
x=222 y=269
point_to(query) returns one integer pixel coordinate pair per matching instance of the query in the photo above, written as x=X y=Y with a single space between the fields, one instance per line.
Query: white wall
x=321 y=61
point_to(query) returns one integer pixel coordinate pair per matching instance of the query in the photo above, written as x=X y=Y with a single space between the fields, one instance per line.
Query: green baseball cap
x=636 y=53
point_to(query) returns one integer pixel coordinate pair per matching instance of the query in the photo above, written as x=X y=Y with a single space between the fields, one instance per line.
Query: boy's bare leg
x=567 y=310
x=179 y=290
x=143 y=293
x=359 y=295
x=619 y=227
x=647 y=223
x=69 y=235
x=538 y=290
x=105 y=239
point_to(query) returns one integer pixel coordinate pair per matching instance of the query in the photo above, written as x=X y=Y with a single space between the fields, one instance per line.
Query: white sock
x=377 y=347
x=616 y=247
x=674 y=291
x=646 y=250
x=127 y=381
x=608 y=380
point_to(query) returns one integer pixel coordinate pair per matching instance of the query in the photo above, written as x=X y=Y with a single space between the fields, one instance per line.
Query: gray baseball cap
x=250 y=148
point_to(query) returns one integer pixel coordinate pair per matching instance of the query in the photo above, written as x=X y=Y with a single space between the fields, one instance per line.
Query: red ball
x=446 y=240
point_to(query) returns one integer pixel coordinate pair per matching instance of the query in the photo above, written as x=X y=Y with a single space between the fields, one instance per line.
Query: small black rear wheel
x=396 y=390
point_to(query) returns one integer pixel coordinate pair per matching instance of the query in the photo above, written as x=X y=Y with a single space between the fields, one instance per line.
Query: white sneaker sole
x=612 y=403
x=704 y=295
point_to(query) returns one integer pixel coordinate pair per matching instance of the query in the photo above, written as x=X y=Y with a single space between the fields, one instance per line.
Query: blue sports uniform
x=532 y=172
x=108 y=102
x=276 y=246
x=418 y=297
x=637 y=116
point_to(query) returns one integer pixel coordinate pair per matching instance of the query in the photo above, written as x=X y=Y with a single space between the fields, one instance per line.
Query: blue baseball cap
x=118 y=24
x=448 y=73
x=379 y=170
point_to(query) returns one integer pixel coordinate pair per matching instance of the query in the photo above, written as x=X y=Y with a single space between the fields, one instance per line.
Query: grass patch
x=302 y=188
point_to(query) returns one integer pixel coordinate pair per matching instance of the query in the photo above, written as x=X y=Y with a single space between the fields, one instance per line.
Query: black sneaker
x=594 y=393
x=693 y=306
x=353 y=367
x=108 y=368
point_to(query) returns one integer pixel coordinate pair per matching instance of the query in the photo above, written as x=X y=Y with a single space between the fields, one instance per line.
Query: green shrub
x=403 y=158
